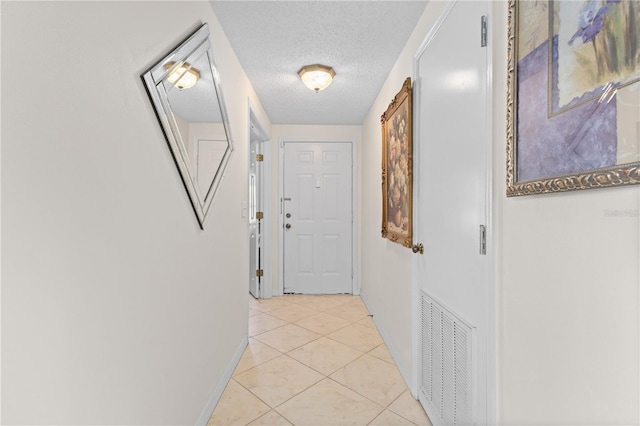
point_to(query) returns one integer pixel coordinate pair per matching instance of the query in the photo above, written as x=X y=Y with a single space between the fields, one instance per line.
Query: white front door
x=452 y=176
x=317 y=222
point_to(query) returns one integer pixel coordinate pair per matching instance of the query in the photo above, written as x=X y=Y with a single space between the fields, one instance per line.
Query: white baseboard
x=406 y=374
x=222 y=384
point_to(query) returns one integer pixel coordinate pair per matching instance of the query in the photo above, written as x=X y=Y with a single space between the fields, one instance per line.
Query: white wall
x=568 y=307
x=281 y=132
x=116 y=307
x=386 y=267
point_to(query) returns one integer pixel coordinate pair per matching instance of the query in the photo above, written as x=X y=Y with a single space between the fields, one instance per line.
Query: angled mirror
x=184 y=88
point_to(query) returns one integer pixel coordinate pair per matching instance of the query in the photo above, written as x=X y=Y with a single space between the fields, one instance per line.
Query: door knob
x=288 y=226
x=418 y=248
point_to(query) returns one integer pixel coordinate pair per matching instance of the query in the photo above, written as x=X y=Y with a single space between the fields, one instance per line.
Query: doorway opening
x=258 y=210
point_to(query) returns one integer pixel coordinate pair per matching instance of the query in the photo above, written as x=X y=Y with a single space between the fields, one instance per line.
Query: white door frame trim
x=265 y=250
x=489 y=215
x=355 y=282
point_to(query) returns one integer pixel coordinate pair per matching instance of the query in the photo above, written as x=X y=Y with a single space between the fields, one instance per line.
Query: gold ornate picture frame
x=573 y=96
x=397 y=168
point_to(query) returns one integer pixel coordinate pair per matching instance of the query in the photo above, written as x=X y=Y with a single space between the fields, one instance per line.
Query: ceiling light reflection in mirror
x=182 y=75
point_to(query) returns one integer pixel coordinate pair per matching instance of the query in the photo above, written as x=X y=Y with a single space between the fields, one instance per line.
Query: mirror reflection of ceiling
x=361 y=40
x=199 y=103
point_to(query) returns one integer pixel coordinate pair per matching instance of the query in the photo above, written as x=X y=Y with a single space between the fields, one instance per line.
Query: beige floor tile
x=358 y=337
x=388 y=418
x=322 y=303
x=262 y=322
x=253 y=312
x=329 y=403
x=298 y=298
x=381 y=352
x=254 y=304
x=266 y=305
x=407 y=407
x=378 y=380
x=278 y=380
x=237 y=406
x=256 y=353
x=287 y=337
x=323 y=323
x=368 y=322
x=270 y=419
x=356 y=302
x=293 y=312
x=349 y=311
x=325 y=355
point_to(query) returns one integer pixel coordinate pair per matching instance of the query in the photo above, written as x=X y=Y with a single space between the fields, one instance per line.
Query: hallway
x=315 y=360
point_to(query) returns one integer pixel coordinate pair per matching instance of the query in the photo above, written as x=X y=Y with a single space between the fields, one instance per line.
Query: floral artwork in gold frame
x=397 y=168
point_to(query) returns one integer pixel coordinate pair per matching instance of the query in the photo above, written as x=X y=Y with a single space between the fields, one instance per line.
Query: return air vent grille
x=446 y=367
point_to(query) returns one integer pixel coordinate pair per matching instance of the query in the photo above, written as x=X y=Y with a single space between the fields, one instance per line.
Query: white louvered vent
x=446 y=368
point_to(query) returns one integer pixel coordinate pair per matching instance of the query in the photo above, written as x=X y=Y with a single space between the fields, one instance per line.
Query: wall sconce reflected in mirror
x=183 y=76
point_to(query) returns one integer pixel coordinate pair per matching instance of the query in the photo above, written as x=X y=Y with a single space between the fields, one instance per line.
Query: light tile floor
x=315 y=360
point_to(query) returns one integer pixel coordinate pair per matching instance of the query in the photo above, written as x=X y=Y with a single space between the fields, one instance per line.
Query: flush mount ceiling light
x=183 y=76
x=316 y=77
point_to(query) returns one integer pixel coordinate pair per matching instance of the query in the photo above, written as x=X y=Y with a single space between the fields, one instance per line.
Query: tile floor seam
x=400 y=415
x=355 y=391
x=248 y=390
x=288 y=419
x=293 y=396
x=333 y=372
x=284 y=417
x=251 y=337
x=266 y=331
x=387 y=409
x=396 y=412
x=269 y=405
x=364 y=396
x=261 y=400
x=338 y=329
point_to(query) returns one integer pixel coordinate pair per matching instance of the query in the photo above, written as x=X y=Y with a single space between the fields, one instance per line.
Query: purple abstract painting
x=581 y=138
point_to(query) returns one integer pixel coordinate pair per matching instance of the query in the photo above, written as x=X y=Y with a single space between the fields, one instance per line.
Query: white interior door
x=259 y=285
x=452 y=173
x=317 y=222
x=256 y=217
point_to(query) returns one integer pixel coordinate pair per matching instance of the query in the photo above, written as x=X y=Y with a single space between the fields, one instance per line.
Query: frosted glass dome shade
x=316 y=77
x=183 y=76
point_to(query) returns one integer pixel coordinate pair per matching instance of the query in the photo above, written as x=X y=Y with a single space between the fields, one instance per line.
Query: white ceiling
x=361 y=40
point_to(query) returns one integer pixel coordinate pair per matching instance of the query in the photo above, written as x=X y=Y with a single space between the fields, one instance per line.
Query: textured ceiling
x=361 y=40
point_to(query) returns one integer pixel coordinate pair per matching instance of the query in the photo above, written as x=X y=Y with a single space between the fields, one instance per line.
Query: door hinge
x=259 y=157
x=259 y=215
x=483 y=239
x=259 y=272
x=483 y=31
